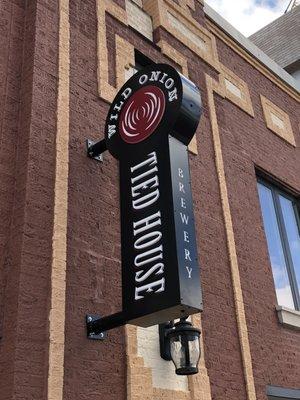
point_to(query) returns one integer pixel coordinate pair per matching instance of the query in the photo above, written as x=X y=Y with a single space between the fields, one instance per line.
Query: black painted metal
x=96 y=149
x=168 y=287
x=164 y=342
x=186 y=246
x=92 y=331
x=186 y=332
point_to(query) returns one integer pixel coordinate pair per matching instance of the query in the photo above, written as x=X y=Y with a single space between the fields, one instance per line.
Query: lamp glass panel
x=177 y=351
x=194 y=349
x=185 y=350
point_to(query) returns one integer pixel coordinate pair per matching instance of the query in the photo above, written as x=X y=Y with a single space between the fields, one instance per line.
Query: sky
x=248 y=16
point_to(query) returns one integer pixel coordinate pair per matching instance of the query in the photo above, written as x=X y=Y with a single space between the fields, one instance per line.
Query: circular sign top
x=155 y=102
x=142 y=114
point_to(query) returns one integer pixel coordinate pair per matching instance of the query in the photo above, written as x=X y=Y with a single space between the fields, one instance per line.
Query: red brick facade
x=29 y=89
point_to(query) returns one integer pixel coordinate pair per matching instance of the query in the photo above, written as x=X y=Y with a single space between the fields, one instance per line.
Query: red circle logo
x=142 y=114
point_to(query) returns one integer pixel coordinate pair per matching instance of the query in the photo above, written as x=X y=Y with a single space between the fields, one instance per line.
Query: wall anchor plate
x=90 y=318
x=89 y=144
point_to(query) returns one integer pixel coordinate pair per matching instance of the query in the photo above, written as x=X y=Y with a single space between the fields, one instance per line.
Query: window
x=278 y=393
x=281 y=222
x=141 y=61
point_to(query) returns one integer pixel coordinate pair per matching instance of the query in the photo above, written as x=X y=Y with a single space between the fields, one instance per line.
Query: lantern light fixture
x=180 y=342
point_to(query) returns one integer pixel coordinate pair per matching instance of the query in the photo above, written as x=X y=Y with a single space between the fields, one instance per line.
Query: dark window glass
x=281 y=223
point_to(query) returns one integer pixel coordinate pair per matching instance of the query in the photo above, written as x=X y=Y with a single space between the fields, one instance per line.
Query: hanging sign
x=149 y=125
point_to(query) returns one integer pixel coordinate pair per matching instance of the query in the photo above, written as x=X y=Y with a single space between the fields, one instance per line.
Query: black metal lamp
x=181 y=344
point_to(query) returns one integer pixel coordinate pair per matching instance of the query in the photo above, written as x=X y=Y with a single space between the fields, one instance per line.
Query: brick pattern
x=162 y=372
x=139 y=20
x=144 y=382
x=245 y=347
x=11 y=43
x=180 y=24
x=135 y=364
x=235 y=273
x=277 y=120
x=248 y=144
x=236 y=90
x=218 y=33
x=124 y=50
x=28 y=140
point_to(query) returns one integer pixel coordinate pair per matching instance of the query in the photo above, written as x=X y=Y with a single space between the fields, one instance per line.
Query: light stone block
x=163 y=372
x=233 y=88
x=139 y=19
x=178 y=25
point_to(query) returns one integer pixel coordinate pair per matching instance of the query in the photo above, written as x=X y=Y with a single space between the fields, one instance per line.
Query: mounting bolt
x=95 y=150
x=90 y=329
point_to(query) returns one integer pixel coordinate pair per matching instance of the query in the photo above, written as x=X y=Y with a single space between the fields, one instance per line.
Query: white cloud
x=248 y=16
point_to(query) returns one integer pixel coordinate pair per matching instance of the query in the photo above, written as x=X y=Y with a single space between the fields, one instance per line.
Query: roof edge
x=250 y=47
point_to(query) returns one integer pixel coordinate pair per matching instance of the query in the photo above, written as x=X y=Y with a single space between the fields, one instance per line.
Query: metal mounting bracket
x=95 y=150
x=97 y=326
x=90 y=319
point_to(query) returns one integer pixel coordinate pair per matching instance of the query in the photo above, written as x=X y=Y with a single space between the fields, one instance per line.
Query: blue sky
x=266 y=3
x=248 y=16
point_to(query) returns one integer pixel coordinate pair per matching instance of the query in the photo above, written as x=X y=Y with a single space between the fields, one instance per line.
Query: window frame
x=277 y=191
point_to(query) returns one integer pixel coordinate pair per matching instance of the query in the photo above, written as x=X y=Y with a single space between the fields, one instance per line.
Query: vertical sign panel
x=188 y=268
x=149 y=125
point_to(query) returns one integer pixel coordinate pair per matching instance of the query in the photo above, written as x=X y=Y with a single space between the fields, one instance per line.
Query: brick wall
x=27 y=161
x=31 y=112
x=274 y=349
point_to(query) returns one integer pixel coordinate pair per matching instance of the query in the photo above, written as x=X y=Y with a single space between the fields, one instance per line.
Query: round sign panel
x=155 y=101
x=142 y=114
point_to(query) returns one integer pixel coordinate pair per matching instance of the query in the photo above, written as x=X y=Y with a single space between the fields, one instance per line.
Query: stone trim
x=59 y=242
x=288 y=317
x=277 y=120
x=139 y=20
x=139 y=377
x=138 y=2
x=124 y=50
x=187 y=3
x=175 y=56
x=179 y=23
x=239 y=95
x=291 y=90
x=236 y=90
x=180 y=60
x=214 y=86
x=231 y=35
x=125 y=54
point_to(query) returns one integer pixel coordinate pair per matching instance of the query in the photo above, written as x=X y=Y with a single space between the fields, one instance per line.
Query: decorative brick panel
x=139 y=19
x=60 y=231
x=277 y=120
x=179 y=23
x=236 y=90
